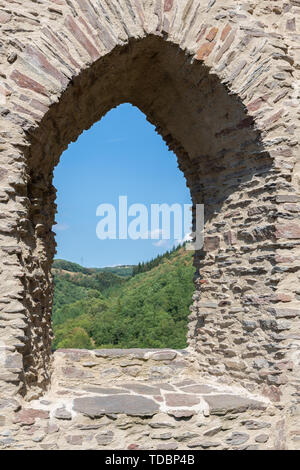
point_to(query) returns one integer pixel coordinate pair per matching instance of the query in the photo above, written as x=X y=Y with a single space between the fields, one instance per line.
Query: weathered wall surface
x=220 y=80
x=140 y=399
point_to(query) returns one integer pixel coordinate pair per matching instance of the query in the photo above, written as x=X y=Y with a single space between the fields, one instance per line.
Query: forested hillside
x=148 y=308
x=123 y=271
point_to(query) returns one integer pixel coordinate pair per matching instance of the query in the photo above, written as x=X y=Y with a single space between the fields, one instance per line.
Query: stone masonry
x=220 y=81
x=140 y=400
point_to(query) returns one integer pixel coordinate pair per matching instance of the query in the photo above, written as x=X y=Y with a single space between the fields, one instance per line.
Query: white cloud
x=60 y=227
x=160 y=243
x=187 y=238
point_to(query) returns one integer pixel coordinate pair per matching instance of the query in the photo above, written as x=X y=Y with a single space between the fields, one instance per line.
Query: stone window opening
x=220 y=86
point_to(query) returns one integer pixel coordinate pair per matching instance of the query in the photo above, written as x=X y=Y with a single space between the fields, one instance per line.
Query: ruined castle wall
x=220 y=80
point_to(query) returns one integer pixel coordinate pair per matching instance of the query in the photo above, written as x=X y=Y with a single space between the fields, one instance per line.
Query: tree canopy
x=101 y=309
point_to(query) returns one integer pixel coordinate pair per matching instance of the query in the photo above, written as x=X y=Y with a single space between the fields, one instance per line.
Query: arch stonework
x=219 y=80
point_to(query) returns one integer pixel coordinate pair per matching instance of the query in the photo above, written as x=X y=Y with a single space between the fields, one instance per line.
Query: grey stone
x=161 y=371
x=105 y=438
x=76 y=373
x=115 y=353
x=262 y=438
x=182 y=413
x=185 y=382
x=249 y=325
x=14 y=361
x=212 y=431
x=203 y=444
x=142 y=388
x=260 y=363
x=158 y=425
x=105 y=391
x=8 y=441
x=199 y=388
x=113 y=371
x=237 y=438
x=9 y=403
x=186 y=436
x=181 y=399
x=252 y=425
x=74 y=440
x=163 y=436
x=118 y=404
x=222 y=404
x=62 y=413
x=163 y=356
x=168 y=446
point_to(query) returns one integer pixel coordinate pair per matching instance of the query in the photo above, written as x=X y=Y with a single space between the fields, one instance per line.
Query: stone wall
x=141 y=400
x=220 y=81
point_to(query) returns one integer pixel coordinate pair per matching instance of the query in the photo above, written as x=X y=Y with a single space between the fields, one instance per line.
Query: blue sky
x=121 y=155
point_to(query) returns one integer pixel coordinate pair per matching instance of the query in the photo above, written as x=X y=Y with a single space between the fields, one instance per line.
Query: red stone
x=4 y=92
x=284 y=259
x=39 y=106
x=272 y=392
x=81 y=37
x=84 y=23
x=4 y=17
x=230 y=237
x=32 y=430
x=211 y=243
x=289 y=230
x=158 y=398
x=225 y=32
x=202 y=32
x=29 y=415
x=205 y=50
x=280 y=297
x=285 y=365
x=26 y=82
x=28 y=112
x=58 y=43
x=273 y=118
x=256 y=104
x=168 y=5
x=42 y=62
x=74 y=440
x=133 y=447
x=212 y=34
x=93 y=20
x=181 y=399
